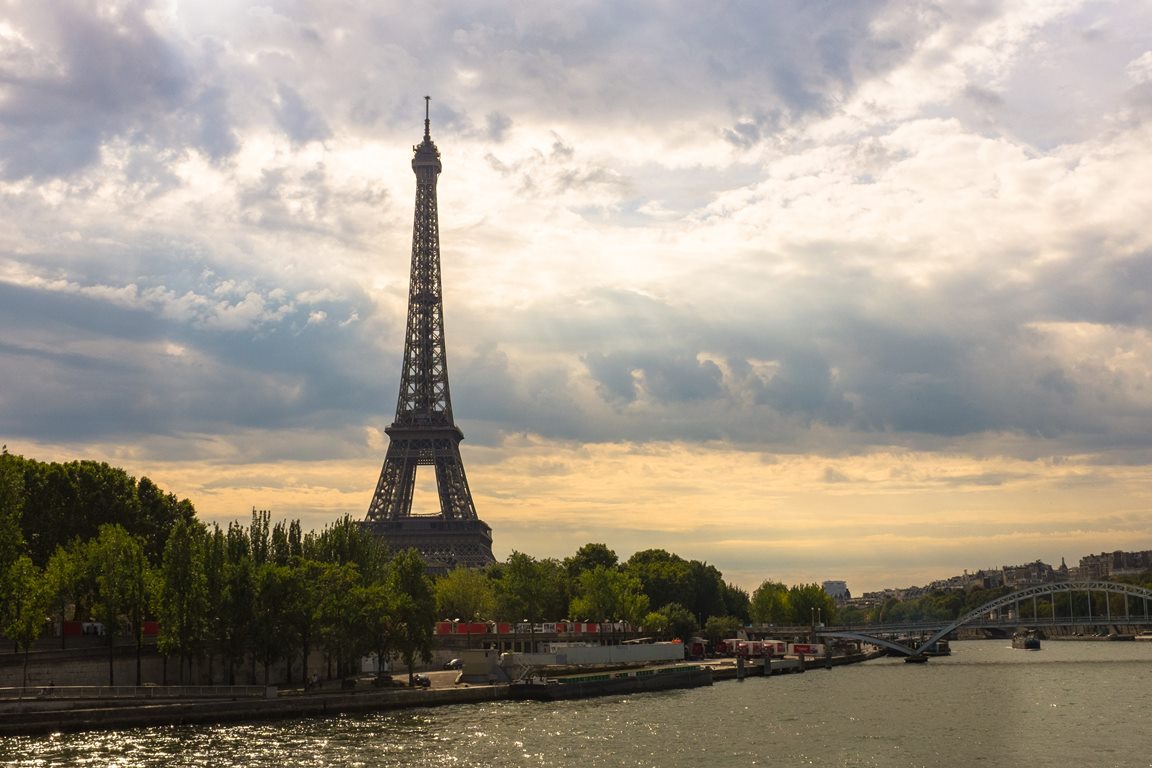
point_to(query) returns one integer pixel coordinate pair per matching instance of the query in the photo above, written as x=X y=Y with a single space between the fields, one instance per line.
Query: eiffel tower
x=424 y=432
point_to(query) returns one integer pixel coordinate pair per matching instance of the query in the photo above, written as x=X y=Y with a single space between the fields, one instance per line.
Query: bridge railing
x=1000 y=623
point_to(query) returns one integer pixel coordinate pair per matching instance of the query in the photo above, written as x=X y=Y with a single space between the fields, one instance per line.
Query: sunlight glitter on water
x=1071 y=703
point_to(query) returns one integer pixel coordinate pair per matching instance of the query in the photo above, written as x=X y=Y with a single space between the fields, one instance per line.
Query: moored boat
x=542 y=687
x=1026 y=640
x=938 y=648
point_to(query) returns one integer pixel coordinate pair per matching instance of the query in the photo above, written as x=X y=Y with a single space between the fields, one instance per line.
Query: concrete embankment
x=55 y=710
x=728 y=670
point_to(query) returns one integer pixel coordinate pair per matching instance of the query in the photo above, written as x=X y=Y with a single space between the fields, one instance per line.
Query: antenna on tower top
x=427 y=100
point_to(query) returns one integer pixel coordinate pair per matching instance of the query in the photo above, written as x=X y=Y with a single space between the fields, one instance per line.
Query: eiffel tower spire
x=423 y=432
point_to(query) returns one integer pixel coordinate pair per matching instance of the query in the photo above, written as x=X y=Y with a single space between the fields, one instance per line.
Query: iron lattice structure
x=424 y=432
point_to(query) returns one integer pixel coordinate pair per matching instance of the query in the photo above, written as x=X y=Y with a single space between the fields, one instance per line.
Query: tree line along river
x=1072 y=703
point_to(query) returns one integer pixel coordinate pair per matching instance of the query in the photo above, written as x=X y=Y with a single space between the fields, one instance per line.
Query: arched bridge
x=981 y=615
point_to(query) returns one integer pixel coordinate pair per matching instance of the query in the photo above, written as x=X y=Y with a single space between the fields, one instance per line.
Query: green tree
x=183 y=593
x=11 y=511
x=679 y=622
x=140 y=599
x=242 y=612
x=338 y=614
x=63 y=580
x=530 y=590
x=769 y=604
x=159 y=511
x=286 y=544
x=554 y=593
x=809 y=602
x=380 y=607
x=272 y=628
x=67 y=501
x=119 y=570
x=708 y=591
x=464 y=593
x=720 y=628
x=588 y=557
x=304 y=608
x=259 y=536
x=606 y=594
x=656 y=623
x=24 y=602
x=667 y=578
x=853 y=615
x=216 y=625
x=232 y=575
x=738 y=602
x=415 y=608
x=347 y=541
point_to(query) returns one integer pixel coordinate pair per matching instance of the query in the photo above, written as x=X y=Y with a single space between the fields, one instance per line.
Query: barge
x=543 y=687
x=1026 y=641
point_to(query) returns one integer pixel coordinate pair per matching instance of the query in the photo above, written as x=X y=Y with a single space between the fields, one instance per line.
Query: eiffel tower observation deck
x=423 y=433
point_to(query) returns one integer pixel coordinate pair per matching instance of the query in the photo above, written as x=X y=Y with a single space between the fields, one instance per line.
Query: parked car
x=454 y=664
x=420 y=681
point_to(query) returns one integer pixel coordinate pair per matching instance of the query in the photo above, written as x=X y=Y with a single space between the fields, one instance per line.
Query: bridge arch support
x=1016 y=597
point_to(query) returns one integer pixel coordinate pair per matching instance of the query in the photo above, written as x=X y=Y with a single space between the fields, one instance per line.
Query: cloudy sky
x=807 y=290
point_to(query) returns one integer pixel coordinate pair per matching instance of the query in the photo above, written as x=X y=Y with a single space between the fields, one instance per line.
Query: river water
x=1080 y=704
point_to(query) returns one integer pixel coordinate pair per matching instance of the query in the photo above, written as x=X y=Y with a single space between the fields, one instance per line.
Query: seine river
x=1081 y=704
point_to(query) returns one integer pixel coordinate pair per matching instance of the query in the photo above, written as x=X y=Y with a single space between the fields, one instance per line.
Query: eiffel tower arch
x=423 y=432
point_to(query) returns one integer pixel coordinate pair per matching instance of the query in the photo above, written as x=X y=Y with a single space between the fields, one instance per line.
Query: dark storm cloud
x=665 y=378
x=92 y=370
x=954 y=358
x=1096 y=285
x=804 y=385
x=491 y=399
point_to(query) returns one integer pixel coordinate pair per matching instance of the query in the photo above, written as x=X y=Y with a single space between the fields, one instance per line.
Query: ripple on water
x=1079 y=703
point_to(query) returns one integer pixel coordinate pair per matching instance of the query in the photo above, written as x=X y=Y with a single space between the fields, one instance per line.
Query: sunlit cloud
x=852 y=292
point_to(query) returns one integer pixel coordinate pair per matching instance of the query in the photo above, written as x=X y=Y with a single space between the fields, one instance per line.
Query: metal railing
x=138 y=692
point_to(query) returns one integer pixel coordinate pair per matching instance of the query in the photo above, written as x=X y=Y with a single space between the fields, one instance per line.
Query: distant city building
x=1108 y=564
x=1101 y=567
x=1028 y=575
x=837 y=590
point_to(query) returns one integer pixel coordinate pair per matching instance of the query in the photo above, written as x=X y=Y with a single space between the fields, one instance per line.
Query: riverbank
x=63 y=709
x=987 y=704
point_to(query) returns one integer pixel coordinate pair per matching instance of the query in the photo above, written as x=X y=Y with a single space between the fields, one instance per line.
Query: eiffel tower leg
x=393 y=497
x=452 y=484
